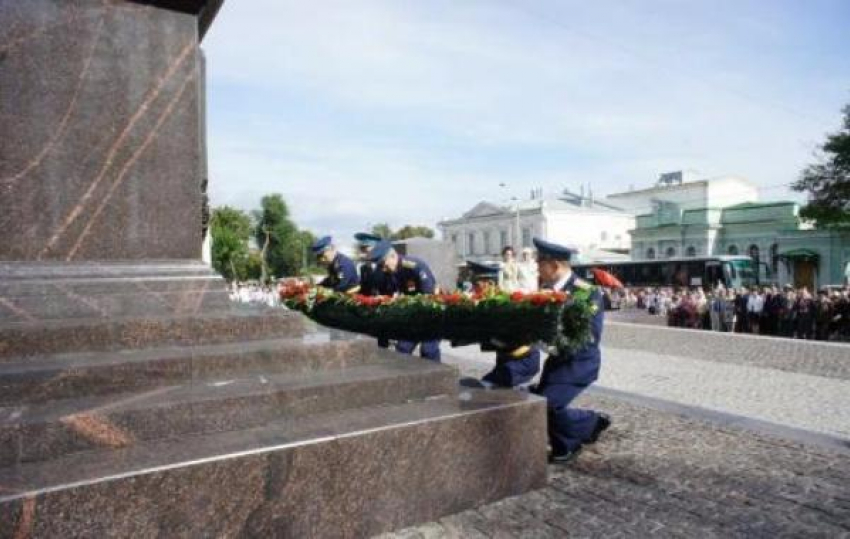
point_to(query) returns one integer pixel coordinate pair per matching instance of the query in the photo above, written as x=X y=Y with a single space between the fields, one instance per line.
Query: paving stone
x=658 y=474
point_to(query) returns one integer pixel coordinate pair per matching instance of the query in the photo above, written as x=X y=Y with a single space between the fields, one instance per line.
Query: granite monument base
x=185 y=416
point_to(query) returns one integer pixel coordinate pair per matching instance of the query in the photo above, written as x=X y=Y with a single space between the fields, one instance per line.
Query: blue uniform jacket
x=370 y=278
x=342 y=275
x=413 y=276
x=581 y=366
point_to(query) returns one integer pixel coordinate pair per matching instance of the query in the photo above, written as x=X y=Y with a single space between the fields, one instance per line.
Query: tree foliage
x=383 y=230
x=286 y=247
x=230 y=229
x=828 y=182
x=282 y=246
x=407 y=231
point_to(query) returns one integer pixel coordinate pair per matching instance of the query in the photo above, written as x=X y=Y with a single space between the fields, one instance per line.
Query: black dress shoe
x=565 y=457
x=472 y=382
x=602 y=424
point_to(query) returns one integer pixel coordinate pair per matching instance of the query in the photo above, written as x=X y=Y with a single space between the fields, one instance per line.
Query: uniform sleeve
x=348 y=278
x=330 y=280
x=425 y=279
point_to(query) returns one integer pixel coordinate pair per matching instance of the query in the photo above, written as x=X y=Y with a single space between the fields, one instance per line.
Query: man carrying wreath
x=566 y=374
x=516 y=363
x=342 y=273
x=405 y=275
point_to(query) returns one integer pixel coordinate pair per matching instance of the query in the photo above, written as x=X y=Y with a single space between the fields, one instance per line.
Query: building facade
x=723 y=216
x=595 y=227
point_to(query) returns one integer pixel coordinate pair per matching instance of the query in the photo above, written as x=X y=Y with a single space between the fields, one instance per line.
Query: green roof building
x=788 y=249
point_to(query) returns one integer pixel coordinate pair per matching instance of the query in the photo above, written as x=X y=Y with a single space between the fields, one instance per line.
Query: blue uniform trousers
x=569 y=428
x=427 y=349
x=510 y=371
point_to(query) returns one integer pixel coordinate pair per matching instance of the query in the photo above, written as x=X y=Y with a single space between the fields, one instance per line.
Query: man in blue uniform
x=516 y=363
x=369 y=275
x=405 y=275
x=342 y=273
x=566 y=375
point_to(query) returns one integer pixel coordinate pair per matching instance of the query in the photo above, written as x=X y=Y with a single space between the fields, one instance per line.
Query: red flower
x=559 y=296
x=517 y=296
x=450 y=299
x=540 y=298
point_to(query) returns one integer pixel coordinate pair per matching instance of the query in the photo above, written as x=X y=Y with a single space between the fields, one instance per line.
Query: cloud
x=407 y=112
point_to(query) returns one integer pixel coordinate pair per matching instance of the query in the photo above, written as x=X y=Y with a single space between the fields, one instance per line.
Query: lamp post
x=517 y=238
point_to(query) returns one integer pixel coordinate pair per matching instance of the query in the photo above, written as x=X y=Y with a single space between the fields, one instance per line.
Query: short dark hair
x=507 y=248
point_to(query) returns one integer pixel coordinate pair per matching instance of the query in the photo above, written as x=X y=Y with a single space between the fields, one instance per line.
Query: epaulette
x=409 y=264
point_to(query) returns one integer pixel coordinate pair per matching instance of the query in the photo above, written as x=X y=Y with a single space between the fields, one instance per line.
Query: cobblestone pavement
x=797 y=400
x=661 y=474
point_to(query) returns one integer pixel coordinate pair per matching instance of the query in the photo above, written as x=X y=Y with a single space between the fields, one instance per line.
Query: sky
x=360 y=112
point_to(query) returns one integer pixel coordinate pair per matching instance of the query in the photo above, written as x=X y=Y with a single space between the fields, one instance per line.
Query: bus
x=706 y=272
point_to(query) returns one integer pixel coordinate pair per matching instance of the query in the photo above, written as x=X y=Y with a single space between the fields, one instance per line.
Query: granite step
x=34 y=291
x=351 y=473
x=37 y=379
x=37 y=432
x=25 y=339
x=90 y=300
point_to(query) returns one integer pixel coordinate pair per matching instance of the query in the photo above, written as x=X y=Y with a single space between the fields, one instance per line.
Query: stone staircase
x=184 y=416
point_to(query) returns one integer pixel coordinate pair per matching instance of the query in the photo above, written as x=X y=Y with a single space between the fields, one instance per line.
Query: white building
x=596 y=227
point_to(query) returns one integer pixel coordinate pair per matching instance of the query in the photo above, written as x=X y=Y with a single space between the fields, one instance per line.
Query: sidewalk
x=660 y=474
x=798 y=400
x=669 y=470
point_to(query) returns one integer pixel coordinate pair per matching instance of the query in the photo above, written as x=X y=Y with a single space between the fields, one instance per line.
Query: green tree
x=254 y=266
x=409 y=231
x=828 y=182
x=383 y=230
x=230 y=230
x=285 y=248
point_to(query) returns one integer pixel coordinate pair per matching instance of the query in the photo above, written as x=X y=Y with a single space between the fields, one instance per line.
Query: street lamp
x=517 y=239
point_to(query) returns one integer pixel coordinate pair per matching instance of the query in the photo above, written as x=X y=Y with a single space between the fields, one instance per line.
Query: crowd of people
x=785 y=312
x=254 y=293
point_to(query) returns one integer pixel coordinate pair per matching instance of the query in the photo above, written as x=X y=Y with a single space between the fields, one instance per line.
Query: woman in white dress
x=508 y=271
x=527 y=271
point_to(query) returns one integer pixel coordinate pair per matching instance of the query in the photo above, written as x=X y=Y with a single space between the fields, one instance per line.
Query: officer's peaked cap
x=321 y=244
x=553 y=251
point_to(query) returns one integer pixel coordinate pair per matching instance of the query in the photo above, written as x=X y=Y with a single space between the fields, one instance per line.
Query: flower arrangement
x=554 y=318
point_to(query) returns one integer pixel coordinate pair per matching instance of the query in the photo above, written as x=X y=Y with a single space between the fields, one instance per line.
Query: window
x=526 y=237
x=671 y=252
x=470 y=243
x=692 y=251
x=650 y=254
x=733 y=250
x=454 y=239
x=774 y=258
x=604 y=236
x=458 y=247
x=754 y=254
x=487 y=247
x=503 y=239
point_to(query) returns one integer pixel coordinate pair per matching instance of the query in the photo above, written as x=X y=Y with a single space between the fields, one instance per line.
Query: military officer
x=369 y=276
x=405 y=275
x=516 y=364
x=342 y=273
x=566 y=375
